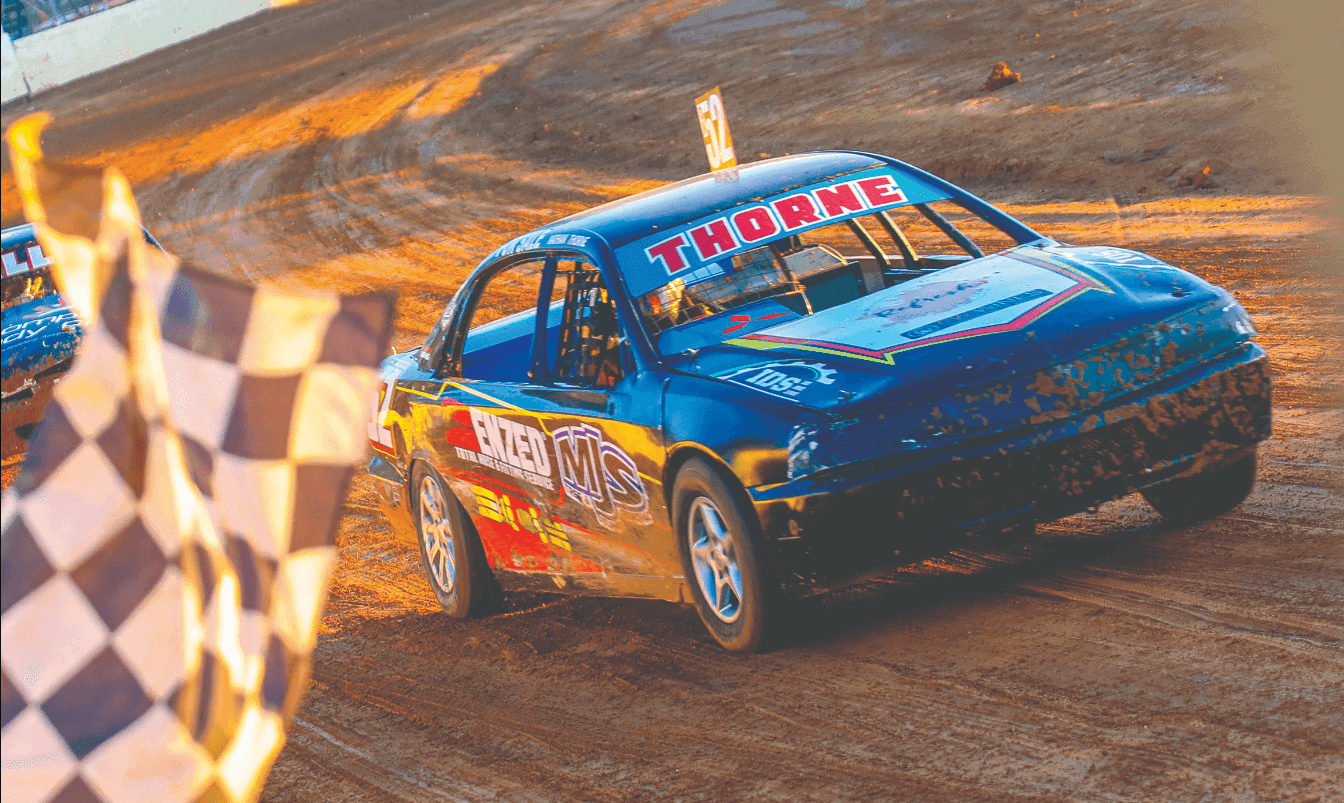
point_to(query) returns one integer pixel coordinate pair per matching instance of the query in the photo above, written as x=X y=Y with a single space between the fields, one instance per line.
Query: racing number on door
x=714 y=128
x=379 y=430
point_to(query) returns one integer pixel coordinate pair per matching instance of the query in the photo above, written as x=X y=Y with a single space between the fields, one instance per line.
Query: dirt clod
x=1199 y=178
x=1002 y=75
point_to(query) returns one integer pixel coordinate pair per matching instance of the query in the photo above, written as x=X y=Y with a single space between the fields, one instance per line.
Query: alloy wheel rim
x=714 y=559
x=436 y=534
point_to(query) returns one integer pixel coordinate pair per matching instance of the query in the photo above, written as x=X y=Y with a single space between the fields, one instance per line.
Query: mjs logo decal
x=591 y=469
x=598 y=472
x=999 y=293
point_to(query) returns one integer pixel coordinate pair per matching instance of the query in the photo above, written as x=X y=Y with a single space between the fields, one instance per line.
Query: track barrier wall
x=94 y=43
x=12 y=84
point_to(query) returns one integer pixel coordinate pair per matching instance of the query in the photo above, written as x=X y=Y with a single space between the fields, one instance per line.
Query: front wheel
x=450 y=551
x=720 y=556
x=1204 y=495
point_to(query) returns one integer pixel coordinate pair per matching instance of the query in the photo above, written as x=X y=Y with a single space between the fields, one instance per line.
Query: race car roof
x=22 y=233
x=631 y=218
x=648 y=232
x=628 y=219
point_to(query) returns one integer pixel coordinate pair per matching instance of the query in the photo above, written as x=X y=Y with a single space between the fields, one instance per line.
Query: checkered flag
x=168 y=540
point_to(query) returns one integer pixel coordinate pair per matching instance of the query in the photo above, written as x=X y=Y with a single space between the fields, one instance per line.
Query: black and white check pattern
x=168 y=541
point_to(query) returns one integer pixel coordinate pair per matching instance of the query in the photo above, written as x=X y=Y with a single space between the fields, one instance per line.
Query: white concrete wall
x=85 y=46
x=11 y=77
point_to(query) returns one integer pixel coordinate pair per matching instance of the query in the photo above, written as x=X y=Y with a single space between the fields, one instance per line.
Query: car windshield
x=814 y=269
x=720 y=286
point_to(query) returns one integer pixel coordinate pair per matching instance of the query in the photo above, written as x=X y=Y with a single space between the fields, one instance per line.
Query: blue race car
x=38 y=336
x=761 y=384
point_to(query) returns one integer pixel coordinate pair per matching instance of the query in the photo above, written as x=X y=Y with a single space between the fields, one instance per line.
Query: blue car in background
x=38 y=336
x=765 y=383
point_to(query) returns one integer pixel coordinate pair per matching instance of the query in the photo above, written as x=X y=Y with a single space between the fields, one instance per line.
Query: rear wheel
x=450 y=550
x=1204 y=495
x=720 y=555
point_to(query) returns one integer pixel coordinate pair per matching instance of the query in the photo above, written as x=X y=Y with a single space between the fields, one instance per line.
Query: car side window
x=589 y=348
x=501 y=323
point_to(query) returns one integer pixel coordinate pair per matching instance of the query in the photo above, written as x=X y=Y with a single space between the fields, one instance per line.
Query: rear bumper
x=828 y=532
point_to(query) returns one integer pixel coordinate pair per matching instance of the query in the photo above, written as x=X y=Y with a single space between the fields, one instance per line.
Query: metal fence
x=23 y=17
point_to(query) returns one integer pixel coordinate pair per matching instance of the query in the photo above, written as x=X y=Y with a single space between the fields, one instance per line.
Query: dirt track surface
x=1113 y=657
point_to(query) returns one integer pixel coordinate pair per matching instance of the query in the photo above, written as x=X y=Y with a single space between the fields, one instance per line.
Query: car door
x=556 y=439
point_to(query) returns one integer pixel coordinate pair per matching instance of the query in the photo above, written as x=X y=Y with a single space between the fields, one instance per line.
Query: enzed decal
x=783 y=379
x=1024 y=287
x=504 y=509
x=508 y=446
x=598 y=472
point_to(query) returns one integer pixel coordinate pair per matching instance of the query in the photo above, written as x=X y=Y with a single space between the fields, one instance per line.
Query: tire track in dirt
x=738 y=746
x=830 y=725
x=1197 y=612
x=331 y=759
x=370 y=773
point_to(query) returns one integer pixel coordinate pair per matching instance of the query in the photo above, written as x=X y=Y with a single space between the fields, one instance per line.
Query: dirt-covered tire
x=720 y=544
x=1204 y=495
x=450 y=550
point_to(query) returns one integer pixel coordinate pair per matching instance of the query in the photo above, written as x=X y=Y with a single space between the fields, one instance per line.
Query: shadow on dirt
x=978 y=574
x=639 y=630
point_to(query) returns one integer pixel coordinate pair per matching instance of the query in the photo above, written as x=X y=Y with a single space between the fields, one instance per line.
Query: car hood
x=980 y=324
